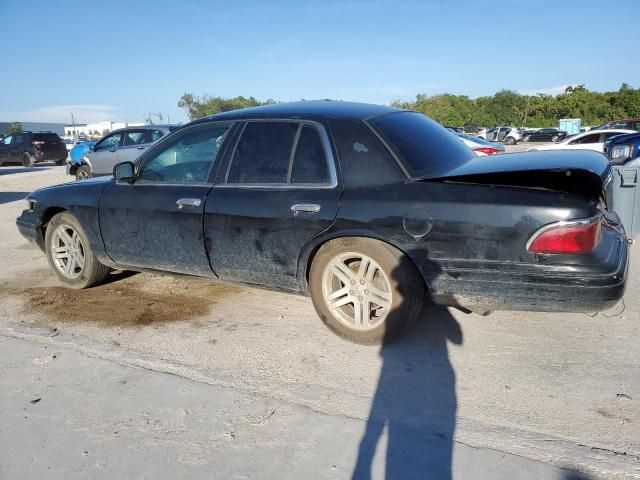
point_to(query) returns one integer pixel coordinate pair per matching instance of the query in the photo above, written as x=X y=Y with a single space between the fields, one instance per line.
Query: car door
x=105 y=154
x=156 y=221
x=275 y=191
x=134 y=142
x=5 y=150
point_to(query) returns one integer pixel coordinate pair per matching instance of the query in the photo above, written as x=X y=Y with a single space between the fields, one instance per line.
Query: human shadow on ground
x=415 y=400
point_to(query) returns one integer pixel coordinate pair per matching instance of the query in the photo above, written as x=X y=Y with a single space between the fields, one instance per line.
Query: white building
x=97 y=129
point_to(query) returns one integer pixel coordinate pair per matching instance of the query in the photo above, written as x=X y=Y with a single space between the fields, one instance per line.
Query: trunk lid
x=585 y=173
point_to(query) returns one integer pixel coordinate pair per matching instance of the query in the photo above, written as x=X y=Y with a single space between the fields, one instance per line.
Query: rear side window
x=46 y=137
x=309 y=161
x=134 y=137
x=18 y=139
x=263 y=153
x=364 y=160
x=156 y=135
x=425 y=147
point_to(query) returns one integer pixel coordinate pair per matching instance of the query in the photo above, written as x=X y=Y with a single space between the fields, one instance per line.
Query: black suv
x=28 y=148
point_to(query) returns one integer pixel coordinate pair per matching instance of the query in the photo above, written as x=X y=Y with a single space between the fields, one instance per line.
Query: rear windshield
x=46 y=137
x=426 y=148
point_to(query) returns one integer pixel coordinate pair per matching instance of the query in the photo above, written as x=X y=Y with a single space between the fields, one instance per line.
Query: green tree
x=198 y=107
x=15 y=127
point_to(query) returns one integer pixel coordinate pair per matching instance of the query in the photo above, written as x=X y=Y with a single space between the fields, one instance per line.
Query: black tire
x=510 y=141
x=555 y=138
x=83 y=172
x=61 y=162
x=93 y=272
x=28 y=160
x=526 y=138
x=406 y=285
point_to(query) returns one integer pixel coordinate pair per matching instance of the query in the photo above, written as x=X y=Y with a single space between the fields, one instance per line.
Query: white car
x=591 y=140
x=479 y=146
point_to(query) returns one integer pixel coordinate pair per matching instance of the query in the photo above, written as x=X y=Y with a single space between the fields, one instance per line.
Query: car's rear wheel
x=28 y=160
x=83 y=172
x=70 y=255
x=365 y=290
x=554 y=139
x=526 y=138
x=510 y=141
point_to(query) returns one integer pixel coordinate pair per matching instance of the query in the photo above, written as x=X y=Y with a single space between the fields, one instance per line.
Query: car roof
x=353 y=110
x=145 y=127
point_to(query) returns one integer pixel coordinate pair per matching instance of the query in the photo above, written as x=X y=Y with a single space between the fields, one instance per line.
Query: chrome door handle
x=305 y=208
x=140 y=148
x=188 y=202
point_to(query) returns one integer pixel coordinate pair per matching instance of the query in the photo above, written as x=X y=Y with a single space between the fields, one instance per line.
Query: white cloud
x=62 y=114
x=547 y=91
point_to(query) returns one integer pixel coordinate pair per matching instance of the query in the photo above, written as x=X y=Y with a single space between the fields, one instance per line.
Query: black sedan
x=368 y=209
x=544 y=135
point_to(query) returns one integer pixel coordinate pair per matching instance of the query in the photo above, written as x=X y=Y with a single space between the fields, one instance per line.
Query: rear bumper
x=51 y=155
x=544 y=288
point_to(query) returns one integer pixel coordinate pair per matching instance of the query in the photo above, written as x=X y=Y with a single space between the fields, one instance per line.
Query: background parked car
x=624 y=149
x=480 y=146
x=124 y=145
x=625 y=123
x=28 y=148
x=543 y=135
x=592 y=140
x=508 y=135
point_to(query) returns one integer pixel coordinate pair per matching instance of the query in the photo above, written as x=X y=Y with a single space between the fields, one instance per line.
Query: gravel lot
x=259 y=388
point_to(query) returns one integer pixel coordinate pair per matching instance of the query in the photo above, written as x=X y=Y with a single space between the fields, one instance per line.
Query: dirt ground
x=563 y=389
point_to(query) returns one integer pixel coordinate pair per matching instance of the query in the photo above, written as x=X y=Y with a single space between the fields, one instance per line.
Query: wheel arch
x=46 y=217
x=309 y=251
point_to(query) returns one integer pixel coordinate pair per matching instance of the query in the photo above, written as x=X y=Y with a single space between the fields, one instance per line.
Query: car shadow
x=8 y=197
x=16 y=169
x=415 y=401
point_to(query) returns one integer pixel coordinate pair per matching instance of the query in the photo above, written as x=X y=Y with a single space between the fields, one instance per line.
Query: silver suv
x=123 y=145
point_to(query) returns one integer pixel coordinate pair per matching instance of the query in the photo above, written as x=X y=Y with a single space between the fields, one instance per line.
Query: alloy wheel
x=357 y=291
x=67 y=252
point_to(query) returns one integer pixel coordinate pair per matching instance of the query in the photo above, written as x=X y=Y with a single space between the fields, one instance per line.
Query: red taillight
x=567 y=237
x=486 y=150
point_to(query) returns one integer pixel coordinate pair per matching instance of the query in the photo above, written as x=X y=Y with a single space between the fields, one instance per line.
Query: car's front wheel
x=83 y=172
x=70 y=255
x=365 y=290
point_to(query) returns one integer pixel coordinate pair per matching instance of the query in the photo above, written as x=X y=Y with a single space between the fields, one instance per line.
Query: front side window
x=594 y=138
x=186 y=159
x=7 y=140
x=263 y=153
x=134 y=137
x=110 y=142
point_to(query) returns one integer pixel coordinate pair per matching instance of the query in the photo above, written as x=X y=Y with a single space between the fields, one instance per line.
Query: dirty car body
x=467 y=224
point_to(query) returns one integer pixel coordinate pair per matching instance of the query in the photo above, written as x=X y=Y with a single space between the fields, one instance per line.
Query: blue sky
x=119 y=60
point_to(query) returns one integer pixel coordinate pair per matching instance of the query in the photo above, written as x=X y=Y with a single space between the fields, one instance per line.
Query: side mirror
x=124 y=172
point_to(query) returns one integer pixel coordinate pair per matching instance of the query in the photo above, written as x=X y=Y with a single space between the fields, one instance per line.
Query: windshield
x=425 y=148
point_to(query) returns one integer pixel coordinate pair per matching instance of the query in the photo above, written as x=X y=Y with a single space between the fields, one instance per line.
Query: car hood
x=582 y=172
x=71 y=186
x=623 y=138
